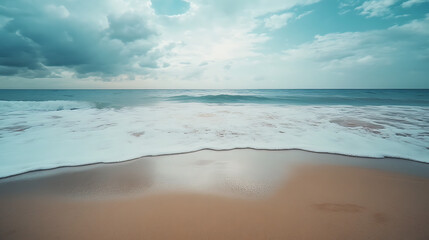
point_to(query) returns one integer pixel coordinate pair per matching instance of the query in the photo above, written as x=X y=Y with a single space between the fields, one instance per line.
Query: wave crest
x=19 y=106
x=222 y=98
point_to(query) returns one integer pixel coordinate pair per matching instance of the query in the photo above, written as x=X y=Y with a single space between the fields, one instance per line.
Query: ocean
x=41 y=129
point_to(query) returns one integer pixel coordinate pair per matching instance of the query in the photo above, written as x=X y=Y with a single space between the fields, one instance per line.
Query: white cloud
x=341 y=50
x=402 y=15
x=277 y=21
x=376 y=8
x=411 y=3
x=214 y=33
x=415 y=27
x=303 y=14
x=361 y=47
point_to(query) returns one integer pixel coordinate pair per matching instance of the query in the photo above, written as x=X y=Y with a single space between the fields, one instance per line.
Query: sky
x=55 y=44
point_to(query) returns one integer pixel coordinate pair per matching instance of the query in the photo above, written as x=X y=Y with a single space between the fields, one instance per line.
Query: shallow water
x=242 y=173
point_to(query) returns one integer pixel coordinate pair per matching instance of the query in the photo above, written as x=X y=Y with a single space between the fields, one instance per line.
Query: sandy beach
x=236 y=194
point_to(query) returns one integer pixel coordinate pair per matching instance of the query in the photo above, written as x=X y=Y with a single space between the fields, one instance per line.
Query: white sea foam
x=19 y=106
x=44 y=139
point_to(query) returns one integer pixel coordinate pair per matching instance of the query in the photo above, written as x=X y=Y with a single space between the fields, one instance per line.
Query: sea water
x=42 y=129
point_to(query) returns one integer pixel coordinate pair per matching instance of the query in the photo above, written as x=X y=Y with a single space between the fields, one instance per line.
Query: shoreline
x=207 y=149
x=235 y=194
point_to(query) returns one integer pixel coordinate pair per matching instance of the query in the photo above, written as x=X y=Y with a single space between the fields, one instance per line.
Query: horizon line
x=214 y=89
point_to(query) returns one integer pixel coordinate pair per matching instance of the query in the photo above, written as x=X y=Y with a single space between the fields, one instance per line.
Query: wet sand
x=238 y=194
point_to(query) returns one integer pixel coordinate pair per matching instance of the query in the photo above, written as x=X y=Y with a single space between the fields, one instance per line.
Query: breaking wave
x=33 y=106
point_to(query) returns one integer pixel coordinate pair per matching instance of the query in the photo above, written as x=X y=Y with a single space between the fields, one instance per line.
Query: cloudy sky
x=214 y=44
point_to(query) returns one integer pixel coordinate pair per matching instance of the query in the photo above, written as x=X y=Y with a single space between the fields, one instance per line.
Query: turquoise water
x=125 y=98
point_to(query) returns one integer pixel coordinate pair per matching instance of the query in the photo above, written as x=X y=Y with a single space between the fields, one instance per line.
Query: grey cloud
x=33 y=40
x=16 y=51
x=129 y=28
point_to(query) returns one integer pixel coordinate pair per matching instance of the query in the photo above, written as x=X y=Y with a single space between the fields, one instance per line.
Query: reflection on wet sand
x=240 y=173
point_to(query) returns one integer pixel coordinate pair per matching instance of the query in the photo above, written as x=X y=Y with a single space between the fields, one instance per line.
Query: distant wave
x=18 y=106
x=297 y=100
x=222 y=98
